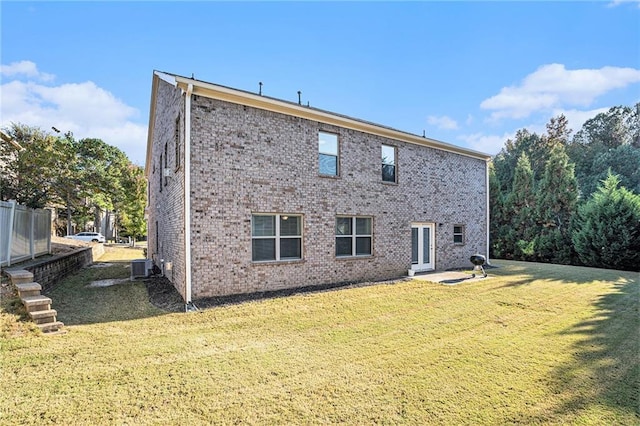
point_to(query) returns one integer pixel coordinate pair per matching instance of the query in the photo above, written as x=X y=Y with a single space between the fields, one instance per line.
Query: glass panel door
x=422 y=246
x=414 y=246
x=426 y=245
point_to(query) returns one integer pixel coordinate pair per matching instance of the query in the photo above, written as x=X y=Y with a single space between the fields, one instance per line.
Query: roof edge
x=152 y=119
x=241 y=97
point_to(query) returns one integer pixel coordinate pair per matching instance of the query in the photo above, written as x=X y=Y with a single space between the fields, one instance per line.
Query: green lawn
x=532 y=344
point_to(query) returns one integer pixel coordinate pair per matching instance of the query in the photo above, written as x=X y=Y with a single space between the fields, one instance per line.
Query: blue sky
x=467 y=73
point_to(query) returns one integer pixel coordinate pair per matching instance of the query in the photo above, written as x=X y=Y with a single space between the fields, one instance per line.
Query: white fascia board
x=240 y=97
x=169 y=78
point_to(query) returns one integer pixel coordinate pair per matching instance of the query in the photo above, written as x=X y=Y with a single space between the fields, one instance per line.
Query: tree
x=609 y=140
x=132 y=204
x=519 y=212
x=497 y=221
x=507 y=159
x=540 y=150
x=103 y=167
x=556 y=201
x=537 y=147
x=607 y=228
x=623 y=161
x=85 y=176
x=34 y=175
x=558 y=130
x=496 y=203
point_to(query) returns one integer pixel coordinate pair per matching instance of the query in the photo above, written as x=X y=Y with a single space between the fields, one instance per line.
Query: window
x=353 y=236
x=276 y=237
x=458 y=234
x=388 y=163
x=160 y=174
x=177 y=140
x=328 y=154
x=166 y=160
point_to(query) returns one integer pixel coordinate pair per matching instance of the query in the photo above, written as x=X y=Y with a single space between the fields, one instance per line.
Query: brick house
x=248 y=193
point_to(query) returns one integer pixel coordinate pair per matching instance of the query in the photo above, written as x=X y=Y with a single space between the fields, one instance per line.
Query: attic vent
x=140 y=268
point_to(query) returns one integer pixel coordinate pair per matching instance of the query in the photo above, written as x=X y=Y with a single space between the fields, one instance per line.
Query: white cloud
x=442 y=122
x=82 y=108
x=490 y=144
x=25 y=68
x=553 y=87
x=615 y=3
x=577 y=118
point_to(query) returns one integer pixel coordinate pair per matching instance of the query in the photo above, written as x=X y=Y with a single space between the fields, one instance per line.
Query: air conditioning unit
x=167 y=172
x=140 y=268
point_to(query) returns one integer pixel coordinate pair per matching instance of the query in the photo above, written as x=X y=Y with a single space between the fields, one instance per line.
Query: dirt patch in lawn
x=163 y=295
x=107 y=283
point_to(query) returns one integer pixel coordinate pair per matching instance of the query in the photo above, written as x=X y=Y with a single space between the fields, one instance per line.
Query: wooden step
x=44 y=317
x=36 y=303
x=28 y=289
x=50 y=327
x=19 y=276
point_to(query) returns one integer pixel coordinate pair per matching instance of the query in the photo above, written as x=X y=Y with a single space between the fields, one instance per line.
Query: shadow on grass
x=529 y=272
x=605 y=370
x=77 y=302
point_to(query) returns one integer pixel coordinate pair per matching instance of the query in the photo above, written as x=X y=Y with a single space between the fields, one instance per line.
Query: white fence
x=24 y=233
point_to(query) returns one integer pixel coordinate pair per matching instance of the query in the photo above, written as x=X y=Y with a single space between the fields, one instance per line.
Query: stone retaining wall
x=48 y=272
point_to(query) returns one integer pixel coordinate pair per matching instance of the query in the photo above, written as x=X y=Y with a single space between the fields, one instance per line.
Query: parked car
x=94 y=237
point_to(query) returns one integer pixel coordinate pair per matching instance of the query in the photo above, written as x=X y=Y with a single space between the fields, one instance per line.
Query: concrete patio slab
x=449 y=277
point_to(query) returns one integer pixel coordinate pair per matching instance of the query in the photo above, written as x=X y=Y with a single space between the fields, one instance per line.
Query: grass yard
x=532 y=344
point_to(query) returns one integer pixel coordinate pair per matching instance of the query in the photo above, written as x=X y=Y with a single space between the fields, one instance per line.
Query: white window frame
x=177 y=141
x=461 y=234
x=394 y=163
x=354 y=237
x=277 y=237
x=337 y=155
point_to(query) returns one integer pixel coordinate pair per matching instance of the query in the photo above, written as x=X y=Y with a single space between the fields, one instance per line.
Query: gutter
x=187 y=196
x=240 y=97
x=487 y=209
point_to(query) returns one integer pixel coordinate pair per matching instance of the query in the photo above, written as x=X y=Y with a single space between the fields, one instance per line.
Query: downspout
x=187 y=197
x=488 y=206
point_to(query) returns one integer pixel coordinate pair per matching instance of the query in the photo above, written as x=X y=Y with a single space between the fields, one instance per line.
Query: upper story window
x=353 y=236
x=458 y=234
x=276 y=237
x=161 y=173
x=328 y=161
x=389 y=163
x=177 y=141
x=166 y=161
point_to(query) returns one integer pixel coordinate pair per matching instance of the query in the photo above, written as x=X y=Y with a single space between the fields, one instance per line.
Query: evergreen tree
x=519 y=212
x=507 y=159
x=607 y=228
x=556 y=201
x=496 y=215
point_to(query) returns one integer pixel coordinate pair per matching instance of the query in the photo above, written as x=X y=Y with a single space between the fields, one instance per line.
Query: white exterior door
x=422 y=246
